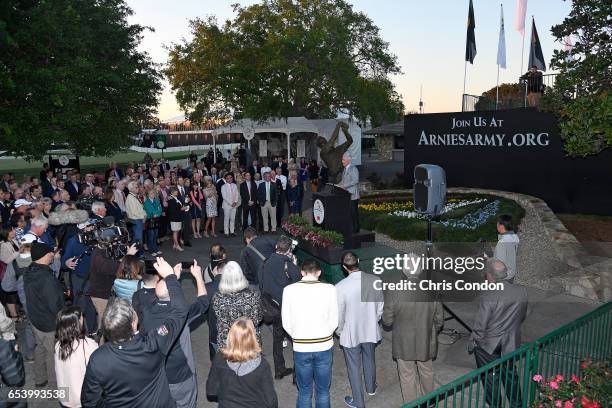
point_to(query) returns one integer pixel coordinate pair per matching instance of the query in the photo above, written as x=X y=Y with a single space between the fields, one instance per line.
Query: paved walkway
x=550 y=312
x=547 y=312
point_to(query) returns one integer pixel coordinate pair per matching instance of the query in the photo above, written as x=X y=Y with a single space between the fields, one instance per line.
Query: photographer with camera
x=98 y=210
x=277 y=272
x=102 y=276
x=77 y=259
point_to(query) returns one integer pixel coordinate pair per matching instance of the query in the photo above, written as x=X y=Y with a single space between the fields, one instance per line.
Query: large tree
x=581 y=94
x=71 y=74
x=281 y=58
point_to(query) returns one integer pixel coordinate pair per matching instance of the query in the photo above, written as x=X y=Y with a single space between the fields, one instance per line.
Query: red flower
x=554 y=385
x=585 y=363
x=575 y=379
x=559 y=377
x=568 y=404
x=584 y=401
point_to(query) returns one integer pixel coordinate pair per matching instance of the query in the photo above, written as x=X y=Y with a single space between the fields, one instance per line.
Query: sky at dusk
x=428 y=37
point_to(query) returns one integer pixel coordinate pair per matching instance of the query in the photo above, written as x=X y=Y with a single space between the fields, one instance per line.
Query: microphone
x=68 y=217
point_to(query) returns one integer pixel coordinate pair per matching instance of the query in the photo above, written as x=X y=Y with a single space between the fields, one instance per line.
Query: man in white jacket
x=310 y=316
x=507 y=245
x=360 y=308
x=231 y=202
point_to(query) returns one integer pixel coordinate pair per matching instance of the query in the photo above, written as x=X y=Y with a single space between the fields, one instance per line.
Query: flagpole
x=501 y=25
x=522 y=55
x=464 y=77
x=497 y=89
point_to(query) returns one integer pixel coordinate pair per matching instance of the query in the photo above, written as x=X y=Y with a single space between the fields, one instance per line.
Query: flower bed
x=300 y=228
x=592 y=388
x=320 y=243
x=465 y=217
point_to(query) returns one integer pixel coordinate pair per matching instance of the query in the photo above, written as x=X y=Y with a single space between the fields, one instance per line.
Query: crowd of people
x=116 y=330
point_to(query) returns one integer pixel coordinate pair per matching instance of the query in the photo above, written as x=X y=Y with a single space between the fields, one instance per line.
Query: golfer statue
x=332 y=156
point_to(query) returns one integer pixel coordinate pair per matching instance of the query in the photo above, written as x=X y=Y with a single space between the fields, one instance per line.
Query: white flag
x=501 y=46
x=521 y=11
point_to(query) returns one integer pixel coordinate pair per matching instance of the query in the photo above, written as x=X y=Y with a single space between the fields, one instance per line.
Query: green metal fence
x=559 y=352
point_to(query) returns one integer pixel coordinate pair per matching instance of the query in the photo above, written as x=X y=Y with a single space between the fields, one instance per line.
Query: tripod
x=429 y=252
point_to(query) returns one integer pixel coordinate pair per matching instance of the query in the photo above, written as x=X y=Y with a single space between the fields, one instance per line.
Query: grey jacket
x=416 y=319
x=505 y=251
x=499 y=319
x=350 y=181
x=360 y=308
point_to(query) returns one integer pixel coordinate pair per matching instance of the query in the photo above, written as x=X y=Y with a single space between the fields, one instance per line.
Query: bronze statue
x=332 y=156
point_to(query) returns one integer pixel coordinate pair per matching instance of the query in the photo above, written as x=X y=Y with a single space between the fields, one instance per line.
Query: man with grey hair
x=350 y=182
x=128 y=370
x=38 y=229
x=416 y=317
x=98 y=209
x=497 y=332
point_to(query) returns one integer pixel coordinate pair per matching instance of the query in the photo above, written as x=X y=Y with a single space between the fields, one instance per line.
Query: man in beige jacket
x=136 y=214
x=416 y=318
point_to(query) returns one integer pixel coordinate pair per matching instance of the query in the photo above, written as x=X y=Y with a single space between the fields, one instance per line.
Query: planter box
x=329 y=255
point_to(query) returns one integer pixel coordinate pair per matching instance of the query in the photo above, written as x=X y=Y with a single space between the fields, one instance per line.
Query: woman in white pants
x=231 y=201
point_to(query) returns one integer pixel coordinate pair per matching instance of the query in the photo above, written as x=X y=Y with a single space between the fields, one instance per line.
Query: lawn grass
x=22 y=168
x=412 y=229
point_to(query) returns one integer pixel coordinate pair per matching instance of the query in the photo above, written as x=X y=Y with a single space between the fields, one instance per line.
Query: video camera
x=115 y=239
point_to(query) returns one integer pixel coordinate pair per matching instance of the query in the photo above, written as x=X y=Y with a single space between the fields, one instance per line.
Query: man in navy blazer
x=73 y=186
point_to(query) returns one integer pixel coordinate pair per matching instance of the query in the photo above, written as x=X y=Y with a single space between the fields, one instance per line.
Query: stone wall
x=585 y=275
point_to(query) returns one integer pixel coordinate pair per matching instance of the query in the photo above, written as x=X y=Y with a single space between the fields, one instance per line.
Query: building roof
x=396 y=128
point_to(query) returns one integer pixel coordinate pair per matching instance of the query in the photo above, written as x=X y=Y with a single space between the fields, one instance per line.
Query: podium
x=331 y=210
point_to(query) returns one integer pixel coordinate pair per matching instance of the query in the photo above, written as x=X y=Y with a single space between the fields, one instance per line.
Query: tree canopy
x=71 y=74
x=581 y=94
x=281 y=58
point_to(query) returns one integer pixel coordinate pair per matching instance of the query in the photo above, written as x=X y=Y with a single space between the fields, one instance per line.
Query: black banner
x=511 y=150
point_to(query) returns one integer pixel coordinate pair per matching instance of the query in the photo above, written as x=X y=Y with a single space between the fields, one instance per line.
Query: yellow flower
x=387 y=206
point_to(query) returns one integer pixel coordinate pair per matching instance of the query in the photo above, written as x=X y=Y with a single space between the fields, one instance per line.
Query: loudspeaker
x=429 y=189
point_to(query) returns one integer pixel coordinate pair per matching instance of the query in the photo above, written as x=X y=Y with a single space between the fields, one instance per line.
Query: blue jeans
x=152 y=239
x=315 y=366
x=138 y=229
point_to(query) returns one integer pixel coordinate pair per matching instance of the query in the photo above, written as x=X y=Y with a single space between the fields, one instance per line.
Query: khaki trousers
x=100 y=305
x=266 y=210
x=416 y=378
x=44 y=355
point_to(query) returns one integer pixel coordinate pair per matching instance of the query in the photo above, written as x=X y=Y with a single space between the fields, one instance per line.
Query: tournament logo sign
x=318 y=211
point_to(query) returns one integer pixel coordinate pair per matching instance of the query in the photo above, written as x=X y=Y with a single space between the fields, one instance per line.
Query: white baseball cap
x=22 y=202
x=27 y=239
